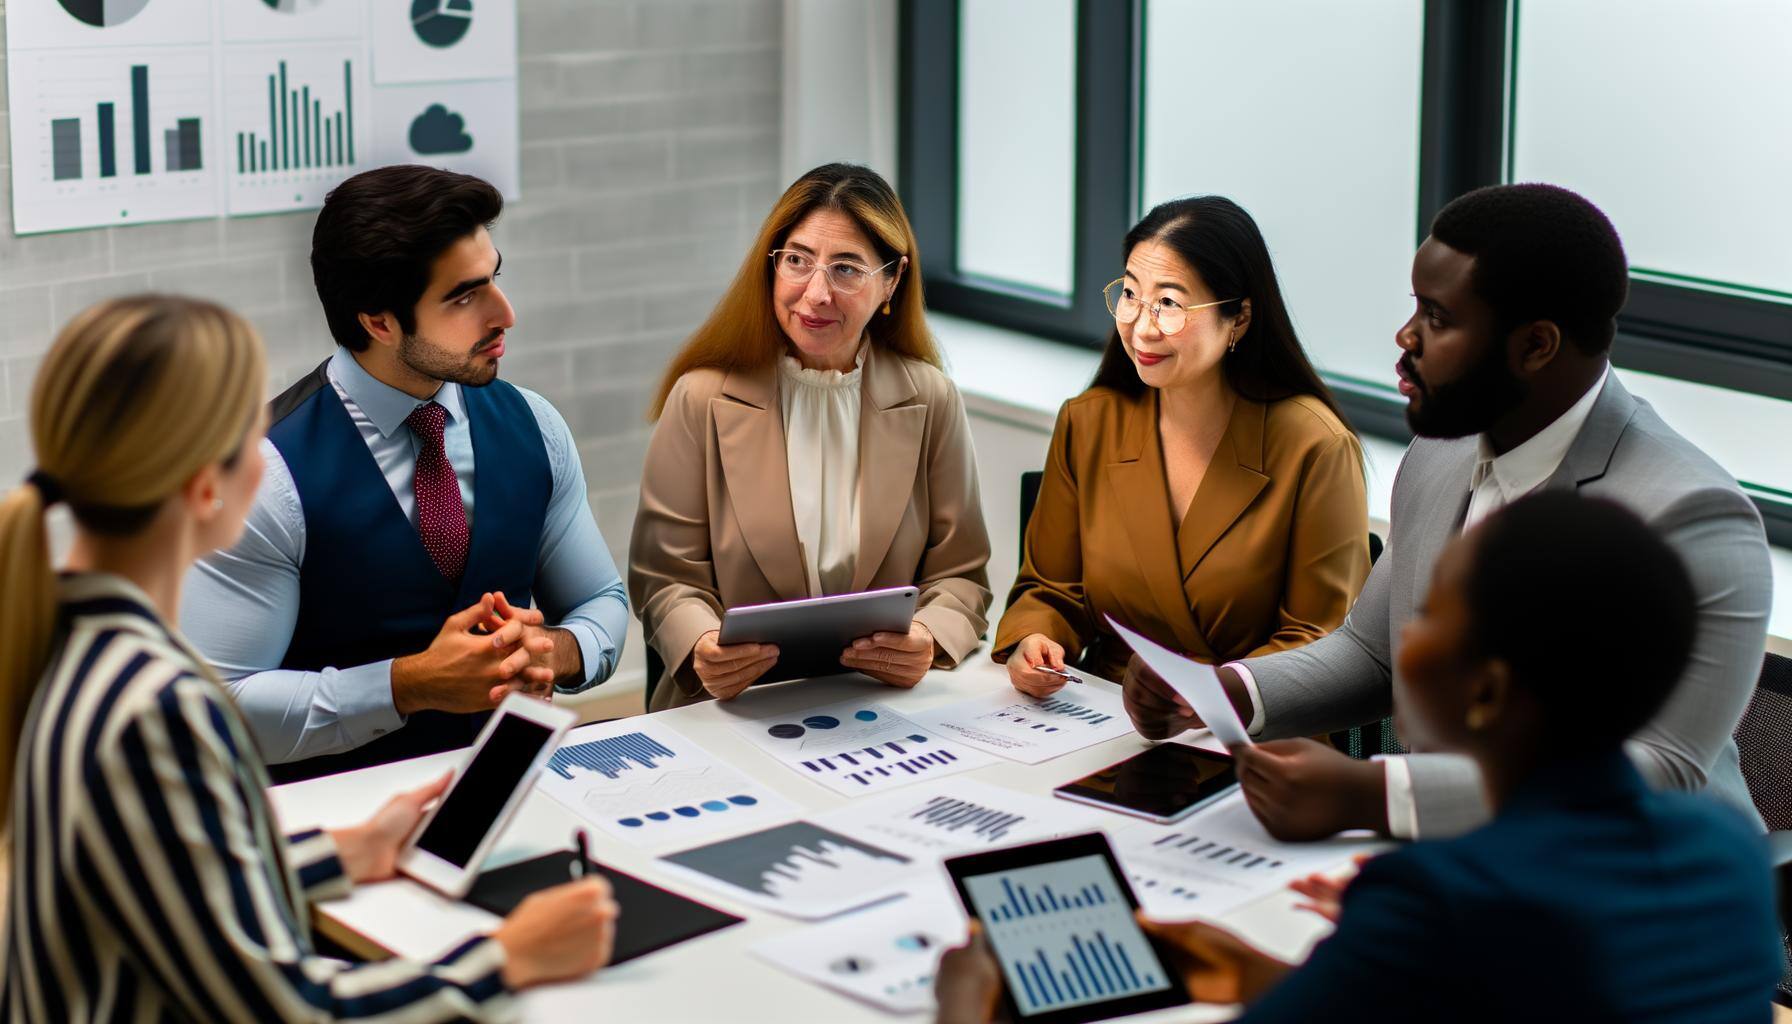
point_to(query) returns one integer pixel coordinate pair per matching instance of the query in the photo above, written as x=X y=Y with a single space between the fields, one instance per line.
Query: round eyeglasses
x=1171 y=316
x=844 y=276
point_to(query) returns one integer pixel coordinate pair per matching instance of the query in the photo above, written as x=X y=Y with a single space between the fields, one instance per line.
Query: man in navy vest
x=415 y=507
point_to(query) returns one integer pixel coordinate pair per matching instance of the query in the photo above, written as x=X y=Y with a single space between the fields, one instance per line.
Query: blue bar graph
x=1092 y=969
x=1022 y=903
x=610 y=757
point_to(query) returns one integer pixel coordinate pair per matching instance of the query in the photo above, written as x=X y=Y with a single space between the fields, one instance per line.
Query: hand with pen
x=1036 y=666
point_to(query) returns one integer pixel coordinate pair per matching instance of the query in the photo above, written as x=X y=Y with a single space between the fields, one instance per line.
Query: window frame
x=1719 y=339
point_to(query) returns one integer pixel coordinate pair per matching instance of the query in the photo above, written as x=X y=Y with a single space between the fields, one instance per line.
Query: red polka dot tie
x=441 y=517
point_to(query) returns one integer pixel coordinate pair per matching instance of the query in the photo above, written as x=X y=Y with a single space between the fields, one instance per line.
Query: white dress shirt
x=1498 y=480
x=821 y=448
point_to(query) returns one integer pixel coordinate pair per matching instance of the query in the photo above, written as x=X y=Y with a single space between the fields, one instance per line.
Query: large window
x=1342 y=128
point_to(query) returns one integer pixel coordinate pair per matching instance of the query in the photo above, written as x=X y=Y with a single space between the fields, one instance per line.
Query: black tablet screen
x=479 y=795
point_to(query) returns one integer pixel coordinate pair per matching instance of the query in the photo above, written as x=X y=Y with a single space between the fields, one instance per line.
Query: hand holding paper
x=1195 y=682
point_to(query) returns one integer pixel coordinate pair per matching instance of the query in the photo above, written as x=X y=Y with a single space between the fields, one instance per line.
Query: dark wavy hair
x=1220 y=242
x=378 y=236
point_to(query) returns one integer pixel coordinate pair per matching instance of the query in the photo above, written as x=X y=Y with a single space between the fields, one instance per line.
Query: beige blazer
x=1271 y=553
x=715 y=528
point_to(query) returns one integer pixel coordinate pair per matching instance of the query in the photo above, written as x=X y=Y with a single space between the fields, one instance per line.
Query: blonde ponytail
x=135 y=396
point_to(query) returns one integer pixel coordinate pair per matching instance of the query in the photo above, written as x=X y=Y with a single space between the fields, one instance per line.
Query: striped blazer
x=149 y=882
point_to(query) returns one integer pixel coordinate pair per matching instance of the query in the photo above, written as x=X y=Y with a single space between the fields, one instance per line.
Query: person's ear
x=203 y=493
x=1489 y=700
x=383 y=328
x=1535 y=345
x=1242 y=322
x=896 y=278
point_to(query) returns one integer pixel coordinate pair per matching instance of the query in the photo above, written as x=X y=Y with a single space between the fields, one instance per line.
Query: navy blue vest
x=367 y=589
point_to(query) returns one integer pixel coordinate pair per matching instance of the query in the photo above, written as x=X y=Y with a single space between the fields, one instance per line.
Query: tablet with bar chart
x=1059 y=916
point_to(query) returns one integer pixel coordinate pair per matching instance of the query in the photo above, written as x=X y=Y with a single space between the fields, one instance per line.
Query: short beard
x=426 y=359
x=1472 y=403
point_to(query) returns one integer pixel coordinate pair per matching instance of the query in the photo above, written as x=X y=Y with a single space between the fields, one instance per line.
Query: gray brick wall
x=650 y=140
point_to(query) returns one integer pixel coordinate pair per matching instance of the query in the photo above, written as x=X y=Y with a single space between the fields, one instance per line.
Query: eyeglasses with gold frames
x=1170 y=316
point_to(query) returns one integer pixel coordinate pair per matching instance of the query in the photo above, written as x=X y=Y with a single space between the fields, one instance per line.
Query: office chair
x=656 y=666
x=1764 y=746
x=1029 y=496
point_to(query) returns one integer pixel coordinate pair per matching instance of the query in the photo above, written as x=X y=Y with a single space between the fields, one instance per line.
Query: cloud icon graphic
x=438 y=131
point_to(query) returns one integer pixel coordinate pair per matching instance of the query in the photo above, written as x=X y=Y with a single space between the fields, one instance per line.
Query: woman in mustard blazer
x=808 y=444
x=1205 y=490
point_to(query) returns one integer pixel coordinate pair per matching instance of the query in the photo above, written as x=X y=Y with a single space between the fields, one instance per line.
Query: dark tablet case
x=652 y=918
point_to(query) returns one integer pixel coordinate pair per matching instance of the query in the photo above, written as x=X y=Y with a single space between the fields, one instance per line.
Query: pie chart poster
x=443 y=40
x=470 y=127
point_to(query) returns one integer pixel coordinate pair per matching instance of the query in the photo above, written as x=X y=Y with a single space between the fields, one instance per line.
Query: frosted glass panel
x=1017 y=141
x=1741 y=431
x=1306 y=113
x=1674 y=118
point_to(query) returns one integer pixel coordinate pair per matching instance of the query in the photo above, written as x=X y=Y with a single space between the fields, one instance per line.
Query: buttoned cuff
x=593 y=655
x=364 y=702
x=1255 y=725
x=1403 y=812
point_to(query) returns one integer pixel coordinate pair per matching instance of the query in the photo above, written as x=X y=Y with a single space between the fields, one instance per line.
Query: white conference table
x=714 y=977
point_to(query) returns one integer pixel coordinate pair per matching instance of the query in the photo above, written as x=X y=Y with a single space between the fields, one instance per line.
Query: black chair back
x=1764 y=742
x=1029 y=496
x=656 y=667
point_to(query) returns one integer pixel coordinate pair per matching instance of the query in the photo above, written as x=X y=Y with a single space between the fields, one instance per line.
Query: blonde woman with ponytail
x=148 y=881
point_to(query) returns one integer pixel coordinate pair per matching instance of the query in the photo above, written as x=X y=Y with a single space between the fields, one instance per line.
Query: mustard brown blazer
x=1271 y=553
x=715 y=528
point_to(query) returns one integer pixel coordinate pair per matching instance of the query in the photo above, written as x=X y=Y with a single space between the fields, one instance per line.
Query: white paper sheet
x=885 y=956
x=1030 y=730
x=645 y=783
x=1219 y=858
x=1196 y=682
x=953 y=816
x=857 y=746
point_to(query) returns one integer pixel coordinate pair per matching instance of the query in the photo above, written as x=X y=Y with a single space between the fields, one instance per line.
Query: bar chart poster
x=1064 y=935
x=102 y=137
x=47 y=24
x=285 y=21
x=443 y=40
x=470 y=127
x=296 y=124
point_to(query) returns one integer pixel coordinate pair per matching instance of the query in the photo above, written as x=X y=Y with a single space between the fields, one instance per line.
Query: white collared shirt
x=1496 y=481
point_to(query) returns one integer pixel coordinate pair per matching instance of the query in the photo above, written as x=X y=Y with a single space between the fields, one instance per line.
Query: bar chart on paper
x=854 y=747
x=957 y=815
x=297 y=120
x=644 y=783
x=1065 y=935
x=799 y=868
x=103 y=139
x=1032 y=729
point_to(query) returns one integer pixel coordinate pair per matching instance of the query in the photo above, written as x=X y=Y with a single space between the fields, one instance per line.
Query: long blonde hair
x=743 y=333
x=135 y=396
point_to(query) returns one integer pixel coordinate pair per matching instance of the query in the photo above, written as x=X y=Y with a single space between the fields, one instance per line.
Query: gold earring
x=1234 y=346
x=1477 y=718
x=886 y=307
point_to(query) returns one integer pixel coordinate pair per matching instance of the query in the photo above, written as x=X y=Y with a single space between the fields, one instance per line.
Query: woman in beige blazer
x=1205 y=490
x=809 y=444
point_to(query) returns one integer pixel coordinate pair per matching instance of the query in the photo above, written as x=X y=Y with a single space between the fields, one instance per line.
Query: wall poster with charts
x=134 y=111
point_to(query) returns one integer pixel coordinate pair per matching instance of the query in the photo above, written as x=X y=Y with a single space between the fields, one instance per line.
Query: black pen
x=1060 y=673
x=586 y=868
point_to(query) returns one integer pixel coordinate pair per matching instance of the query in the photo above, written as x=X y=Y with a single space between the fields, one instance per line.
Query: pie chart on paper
x=104 y=13
x=441 y=23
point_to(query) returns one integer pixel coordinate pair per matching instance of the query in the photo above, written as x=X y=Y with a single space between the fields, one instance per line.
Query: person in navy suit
x=1589 y=896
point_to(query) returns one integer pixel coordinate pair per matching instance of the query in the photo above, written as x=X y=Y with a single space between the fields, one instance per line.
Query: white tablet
x=812 y=633
x=454 y=837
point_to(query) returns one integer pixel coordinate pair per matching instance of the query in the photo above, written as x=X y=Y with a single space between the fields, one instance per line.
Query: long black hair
x=1220 y=241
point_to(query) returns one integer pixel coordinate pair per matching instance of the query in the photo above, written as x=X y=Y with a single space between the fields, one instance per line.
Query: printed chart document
x=1011 y=724
x=953 y=816
x=800 y=869
x=885 y=955
x=858 y=747
x=645 y=783
x=1197 y=683
x=1219 y=858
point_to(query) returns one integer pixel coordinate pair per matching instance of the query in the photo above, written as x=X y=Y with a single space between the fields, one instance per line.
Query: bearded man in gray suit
x=1505 y=368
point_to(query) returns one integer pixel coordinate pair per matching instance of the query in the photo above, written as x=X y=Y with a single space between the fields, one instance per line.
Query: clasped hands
x=1299 y=789
x=481 y=655
x=894 y=659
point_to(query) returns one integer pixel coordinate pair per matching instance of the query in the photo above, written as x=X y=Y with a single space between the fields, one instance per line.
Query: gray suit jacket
x=1626 y=453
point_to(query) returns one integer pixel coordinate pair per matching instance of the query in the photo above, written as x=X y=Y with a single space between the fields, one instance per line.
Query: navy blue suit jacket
x=1589 y=898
